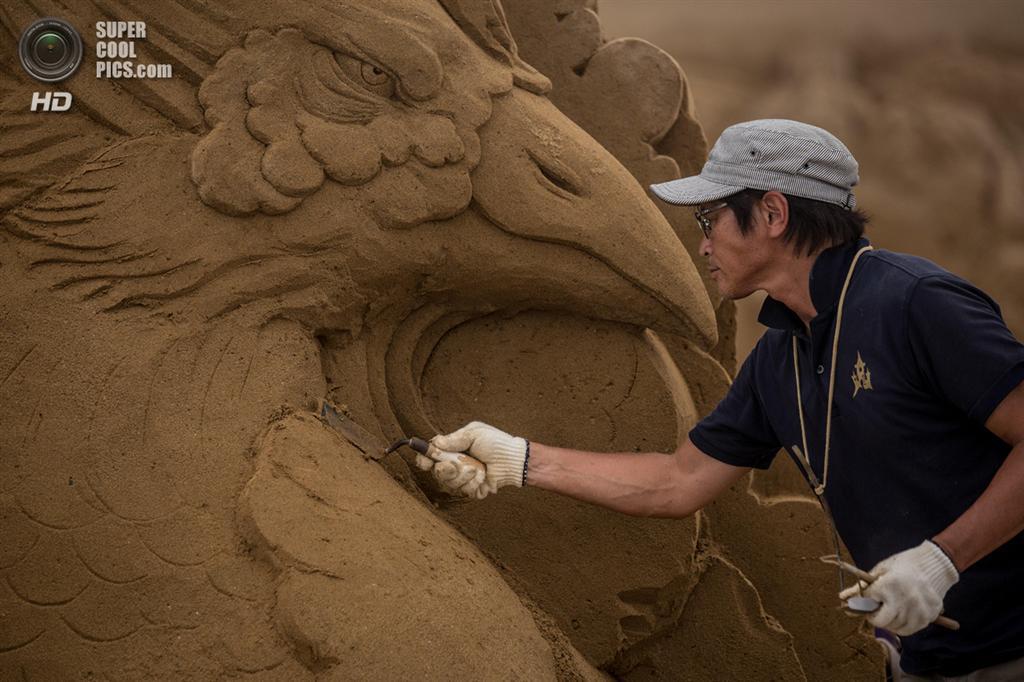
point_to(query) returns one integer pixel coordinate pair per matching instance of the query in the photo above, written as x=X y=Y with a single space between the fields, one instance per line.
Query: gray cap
x=771 y=154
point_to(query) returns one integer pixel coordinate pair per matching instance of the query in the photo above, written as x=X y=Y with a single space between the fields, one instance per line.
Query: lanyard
x=819 y=488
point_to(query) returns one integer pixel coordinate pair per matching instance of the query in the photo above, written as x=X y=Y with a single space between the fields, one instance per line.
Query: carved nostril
x=558 y=176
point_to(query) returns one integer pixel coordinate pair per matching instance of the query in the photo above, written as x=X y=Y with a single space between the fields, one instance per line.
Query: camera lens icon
x=50 y=50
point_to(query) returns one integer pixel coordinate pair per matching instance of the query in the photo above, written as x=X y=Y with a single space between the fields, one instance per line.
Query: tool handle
x=442 y=455
x=421 y=446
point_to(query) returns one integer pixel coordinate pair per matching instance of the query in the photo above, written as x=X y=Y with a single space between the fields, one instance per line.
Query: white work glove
x=504 y=457
x=456 y=473
x=911 y=586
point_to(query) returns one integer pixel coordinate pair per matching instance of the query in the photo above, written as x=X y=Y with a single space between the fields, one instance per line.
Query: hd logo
x=51 y=101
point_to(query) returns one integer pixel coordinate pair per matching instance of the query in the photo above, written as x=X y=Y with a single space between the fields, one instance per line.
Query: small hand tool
x=857 y=604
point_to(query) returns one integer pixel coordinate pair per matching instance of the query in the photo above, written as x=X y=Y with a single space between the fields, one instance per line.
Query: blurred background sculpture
x=394 y=205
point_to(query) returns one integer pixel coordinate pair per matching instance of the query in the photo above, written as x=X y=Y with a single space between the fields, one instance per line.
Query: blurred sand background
x=929 y=97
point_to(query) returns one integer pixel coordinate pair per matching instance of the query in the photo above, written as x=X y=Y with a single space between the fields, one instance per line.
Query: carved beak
x=610 y=253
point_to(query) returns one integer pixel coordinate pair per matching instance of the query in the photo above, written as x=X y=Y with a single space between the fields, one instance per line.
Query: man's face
x=736 y=262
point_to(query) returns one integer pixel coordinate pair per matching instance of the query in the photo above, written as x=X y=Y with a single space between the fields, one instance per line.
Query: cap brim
x=692 y=191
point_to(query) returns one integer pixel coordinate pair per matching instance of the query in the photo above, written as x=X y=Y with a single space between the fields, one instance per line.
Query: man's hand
x=503 y=456
x=911 y=586
x=456 y=473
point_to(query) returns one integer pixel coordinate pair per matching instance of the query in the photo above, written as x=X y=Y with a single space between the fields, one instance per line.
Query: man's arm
x=998 y=514
x=640 y=484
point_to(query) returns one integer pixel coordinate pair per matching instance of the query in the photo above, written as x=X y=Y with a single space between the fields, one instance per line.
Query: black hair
x=813 y=225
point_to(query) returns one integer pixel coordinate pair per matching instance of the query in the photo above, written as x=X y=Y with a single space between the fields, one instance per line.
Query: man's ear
x=776 y=213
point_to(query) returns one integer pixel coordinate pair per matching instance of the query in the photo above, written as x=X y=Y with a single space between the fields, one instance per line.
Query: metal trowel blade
x=365 y=441
x=862 y=604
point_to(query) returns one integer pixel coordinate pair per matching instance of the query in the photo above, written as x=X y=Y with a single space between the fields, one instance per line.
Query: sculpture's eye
x=374 y=75
x=366 y=75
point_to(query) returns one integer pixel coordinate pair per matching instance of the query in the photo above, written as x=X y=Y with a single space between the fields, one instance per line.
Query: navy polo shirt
x=924 y=358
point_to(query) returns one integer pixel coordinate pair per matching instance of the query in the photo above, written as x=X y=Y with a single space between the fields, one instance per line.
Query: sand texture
x=427 y=212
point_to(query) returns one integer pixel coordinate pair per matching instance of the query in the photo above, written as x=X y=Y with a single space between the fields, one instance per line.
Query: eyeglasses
x=701 y=214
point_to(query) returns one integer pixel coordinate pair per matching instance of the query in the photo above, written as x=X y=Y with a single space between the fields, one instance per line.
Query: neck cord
x=819 y=488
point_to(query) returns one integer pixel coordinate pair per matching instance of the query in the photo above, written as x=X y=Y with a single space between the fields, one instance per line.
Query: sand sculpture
x=382 y=204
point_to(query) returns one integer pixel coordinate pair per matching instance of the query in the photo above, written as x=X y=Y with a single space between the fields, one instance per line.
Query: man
x=895 y=384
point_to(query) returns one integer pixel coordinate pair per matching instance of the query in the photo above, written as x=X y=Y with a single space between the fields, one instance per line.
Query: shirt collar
x=827 y=276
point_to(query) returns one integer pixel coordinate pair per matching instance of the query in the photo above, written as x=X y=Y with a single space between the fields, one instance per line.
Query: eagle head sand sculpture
x=319 y=194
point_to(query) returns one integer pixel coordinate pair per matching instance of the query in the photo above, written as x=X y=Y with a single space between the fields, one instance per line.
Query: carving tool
x=858 y=604
x=372 y=447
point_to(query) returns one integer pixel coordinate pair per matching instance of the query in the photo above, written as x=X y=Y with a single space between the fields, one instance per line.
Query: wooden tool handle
x=466 y=459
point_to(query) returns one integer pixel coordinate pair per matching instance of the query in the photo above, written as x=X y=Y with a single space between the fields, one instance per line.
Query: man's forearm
x=994 y=518
x=641 y=484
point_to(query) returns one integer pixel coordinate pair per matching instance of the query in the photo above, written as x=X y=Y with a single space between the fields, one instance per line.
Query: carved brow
x=396 y=44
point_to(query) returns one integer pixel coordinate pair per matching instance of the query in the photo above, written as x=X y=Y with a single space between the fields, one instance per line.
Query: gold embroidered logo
x=861 y=376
